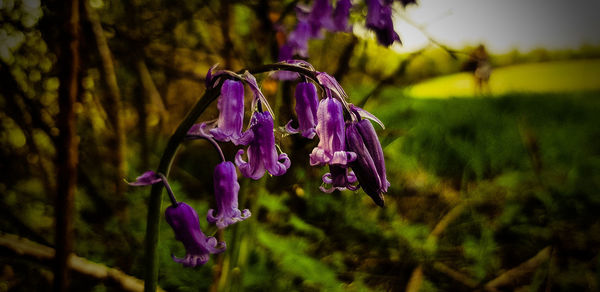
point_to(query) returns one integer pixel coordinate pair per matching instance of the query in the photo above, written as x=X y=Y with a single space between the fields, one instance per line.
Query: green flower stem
x=155 y=200
x=154 y=204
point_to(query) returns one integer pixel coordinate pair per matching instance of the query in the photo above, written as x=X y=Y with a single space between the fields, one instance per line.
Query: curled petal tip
x=290 y=129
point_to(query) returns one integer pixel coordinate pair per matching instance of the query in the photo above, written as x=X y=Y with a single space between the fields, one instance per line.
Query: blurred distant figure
x=479 y=65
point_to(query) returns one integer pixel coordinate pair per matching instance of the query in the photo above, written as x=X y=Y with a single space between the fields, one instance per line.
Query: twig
x=150 y=89
x=38 y=252
x=391 y=79
x=513 y=275
x=416 y=278
x=456 y=275
x=344 y=61
x=114 y=97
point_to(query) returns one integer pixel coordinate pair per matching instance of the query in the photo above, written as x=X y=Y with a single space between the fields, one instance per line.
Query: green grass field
x=562 y=76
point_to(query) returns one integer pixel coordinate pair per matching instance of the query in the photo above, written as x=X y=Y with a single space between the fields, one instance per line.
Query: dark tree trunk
x=67 y=148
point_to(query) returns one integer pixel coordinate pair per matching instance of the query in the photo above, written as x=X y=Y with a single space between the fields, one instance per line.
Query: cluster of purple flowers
x=312 y=20
x=348 y=144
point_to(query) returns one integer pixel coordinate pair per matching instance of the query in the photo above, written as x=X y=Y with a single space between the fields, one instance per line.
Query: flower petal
x=147 y=178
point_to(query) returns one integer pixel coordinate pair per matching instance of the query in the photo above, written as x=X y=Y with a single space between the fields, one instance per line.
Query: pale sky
x=501 y=24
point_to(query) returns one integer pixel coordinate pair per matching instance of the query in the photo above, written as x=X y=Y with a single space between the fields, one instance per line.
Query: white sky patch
x=502 y=25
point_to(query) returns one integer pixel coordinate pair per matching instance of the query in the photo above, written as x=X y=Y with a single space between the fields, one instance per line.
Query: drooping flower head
x=330 y=125
x=198 y=247
x=296 y=44
x=330 y=129
x=320 y=17
x=231 y=113
x=226 y=193
x=307 y=102
x=369 y=167
x=262 y=154
x=379 y=19
x=298 y=39
x=340 y=16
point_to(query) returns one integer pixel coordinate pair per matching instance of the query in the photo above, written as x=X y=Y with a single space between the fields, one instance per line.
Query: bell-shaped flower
x=226 y=193
x=198 y=247
x=298 y=39
x=340 y=16
x=340 y=178
x=231 y=114
x=307 y=102
x=320 y=17
x=369 y=167
x=330 y=129
x=379 y=19
x=296 y=44
x=262 y=154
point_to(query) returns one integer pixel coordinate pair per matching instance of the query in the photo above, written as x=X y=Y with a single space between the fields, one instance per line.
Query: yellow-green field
x=562 y=76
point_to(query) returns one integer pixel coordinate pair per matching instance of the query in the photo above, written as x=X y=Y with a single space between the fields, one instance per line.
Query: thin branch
x=514 y=275
x=114 y=97
x=455 y=275
x=227 y=49
x=431 y=39
x=151 y=91
x=42 y=253
x=344 y=61
x=416 y=278
x=392 y=78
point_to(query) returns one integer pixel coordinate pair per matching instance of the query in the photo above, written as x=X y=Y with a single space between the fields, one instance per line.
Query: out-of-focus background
x=492 y=147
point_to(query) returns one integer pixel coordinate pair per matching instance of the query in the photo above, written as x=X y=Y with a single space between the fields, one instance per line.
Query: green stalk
x=154 y=204
x=155 y=200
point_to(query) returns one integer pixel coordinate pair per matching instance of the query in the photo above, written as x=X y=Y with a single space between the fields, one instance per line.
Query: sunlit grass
x=563 y=76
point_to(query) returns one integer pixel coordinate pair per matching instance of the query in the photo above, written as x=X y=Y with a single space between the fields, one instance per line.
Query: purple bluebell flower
x=147 y=178
x=320 y=17
x=340 y=178
x=307 y=102
x=340 y=16
x=262 y=154
x=330 y=129
x=231 y=114
x=198 y=247
x=226 y=193
x=298 y=39
x=369 y=167
x=379 y=19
